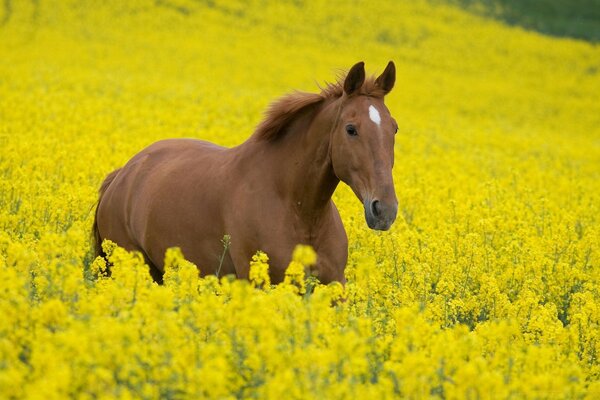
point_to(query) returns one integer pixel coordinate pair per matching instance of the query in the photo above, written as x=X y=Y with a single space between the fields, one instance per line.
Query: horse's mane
x=285 y=109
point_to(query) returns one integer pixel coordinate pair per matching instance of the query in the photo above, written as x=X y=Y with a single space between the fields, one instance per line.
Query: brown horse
x=269 y=193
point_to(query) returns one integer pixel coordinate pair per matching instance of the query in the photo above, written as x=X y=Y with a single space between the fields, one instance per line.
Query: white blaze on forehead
x=374 y=115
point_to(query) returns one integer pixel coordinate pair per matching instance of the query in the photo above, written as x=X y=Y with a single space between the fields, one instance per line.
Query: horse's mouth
x=379 y=224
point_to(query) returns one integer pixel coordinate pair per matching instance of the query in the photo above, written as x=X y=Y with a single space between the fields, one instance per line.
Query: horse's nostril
x=376 y=208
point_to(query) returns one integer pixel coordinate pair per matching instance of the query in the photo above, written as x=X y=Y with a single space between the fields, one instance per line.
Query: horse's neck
x=313 y=179
x=301 y=162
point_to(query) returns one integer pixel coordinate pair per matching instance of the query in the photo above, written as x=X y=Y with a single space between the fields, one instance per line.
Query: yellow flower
x=304 y=255
x=486 y=286
x=259 y=271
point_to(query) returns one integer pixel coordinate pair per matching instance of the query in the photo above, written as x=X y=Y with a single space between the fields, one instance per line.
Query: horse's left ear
x=355 y=78
x=387 y=79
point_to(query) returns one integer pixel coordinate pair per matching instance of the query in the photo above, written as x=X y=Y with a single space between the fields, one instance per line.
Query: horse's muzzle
x=380 y=215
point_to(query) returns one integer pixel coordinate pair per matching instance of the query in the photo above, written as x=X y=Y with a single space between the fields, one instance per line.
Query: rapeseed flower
x=487 y=285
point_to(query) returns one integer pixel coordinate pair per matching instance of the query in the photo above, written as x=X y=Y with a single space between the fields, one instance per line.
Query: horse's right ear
x=355 y=78
x=387 y=79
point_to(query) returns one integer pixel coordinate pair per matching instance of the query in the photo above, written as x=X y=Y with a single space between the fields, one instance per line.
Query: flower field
x=487 y=285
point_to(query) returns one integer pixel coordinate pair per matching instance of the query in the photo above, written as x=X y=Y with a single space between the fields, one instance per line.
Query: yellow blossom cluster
x=487 y=286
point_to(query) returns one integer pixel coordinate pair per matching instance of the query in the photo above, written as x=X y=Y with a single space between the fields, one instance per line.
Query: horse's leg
x=239 y=261
x=155 y=273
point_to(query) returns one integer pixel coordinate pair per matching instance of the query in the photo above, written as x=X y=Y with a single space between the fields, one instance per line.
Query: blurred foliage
x=487 y=286
x=579 y=19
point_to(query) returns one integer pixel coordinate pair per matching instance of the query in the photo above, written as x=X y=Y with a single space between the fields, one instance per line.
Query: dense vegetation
x=487 y=286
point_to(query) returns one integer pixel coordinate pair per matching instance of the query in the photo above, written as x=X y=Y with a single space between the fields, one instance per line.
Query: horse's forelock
x=369 y=88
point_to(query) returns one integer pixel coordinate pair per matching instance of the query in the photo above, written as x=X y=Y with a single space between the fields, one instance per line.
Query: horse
x=269 y=193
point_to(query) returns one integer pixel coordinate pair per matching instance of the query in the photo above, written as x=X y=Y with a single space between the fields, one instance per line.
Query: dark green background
x=578 y=19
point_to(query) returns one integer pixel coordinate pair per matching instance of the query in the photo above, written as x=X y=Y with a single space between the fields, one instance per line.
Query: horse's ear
x=387 y=79
x=355 y=78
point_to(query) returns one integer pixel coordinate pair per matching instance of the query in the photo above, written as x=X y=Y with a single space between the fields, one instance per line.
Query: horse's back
x=166 y=164
x=176 y=151
x=149 y=203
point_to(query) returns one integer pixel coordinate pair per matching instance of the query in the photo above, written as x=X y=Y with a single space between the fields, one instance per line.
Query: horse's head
x=362 y=144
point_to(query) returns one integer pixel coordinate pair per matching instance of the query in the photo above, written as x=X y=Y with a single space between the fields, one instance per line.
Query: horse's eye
x=351 y=130
x=396 y=131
